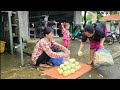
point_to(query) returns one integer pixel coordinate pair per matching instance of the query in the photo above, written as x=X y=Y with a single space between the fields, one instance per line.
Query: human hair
x=48 y=30
x=89 y=28
x=66 y=24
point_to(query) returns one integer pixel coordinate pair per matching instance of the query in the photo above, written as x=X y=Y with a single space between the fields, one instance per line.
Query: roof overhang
x=113 y=17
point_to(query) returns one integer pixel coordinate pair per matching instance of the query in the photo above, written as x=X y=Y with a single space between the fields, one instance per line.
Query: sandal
x=44 y=66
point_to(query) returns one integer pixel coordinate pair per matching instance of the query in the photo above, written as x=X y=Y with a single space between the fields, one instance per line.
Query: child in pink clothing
x=66 y=34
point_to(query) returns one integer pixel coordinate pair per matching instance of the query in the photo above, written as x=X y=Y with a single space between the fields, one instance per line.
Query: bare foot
x=90 y=62
x=44 y=65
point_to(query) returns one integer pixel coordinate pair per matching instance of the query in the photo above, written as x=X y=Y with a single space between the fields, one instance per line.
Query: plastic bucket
x=2 y=46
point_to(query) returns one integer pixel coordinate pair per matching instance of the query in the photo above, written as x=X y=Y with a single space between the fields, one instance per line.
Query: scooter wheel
x=109 y=40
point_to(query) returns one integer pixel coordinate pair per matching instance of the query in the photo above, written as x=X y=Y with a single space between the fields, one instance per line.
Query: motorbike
x=77 y=34
x=112 y=37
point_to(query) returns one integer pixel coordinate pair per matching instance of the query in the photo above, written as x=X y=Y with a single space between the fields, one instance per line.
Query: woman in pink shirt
x=43 y=50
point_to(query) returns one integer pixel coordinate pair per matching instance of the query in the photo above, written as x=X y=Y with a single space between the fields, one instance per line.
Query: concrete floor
x=11 y=67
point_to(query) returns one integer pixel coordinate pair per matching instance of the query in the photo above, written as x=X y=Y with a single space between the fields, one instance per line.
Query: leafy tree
x=114 y=12
x=88 y=17
x=99 y=15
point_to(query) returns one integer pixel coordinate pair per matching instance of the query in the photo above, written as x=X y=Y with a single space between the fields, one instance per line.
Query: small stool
x=34 y=32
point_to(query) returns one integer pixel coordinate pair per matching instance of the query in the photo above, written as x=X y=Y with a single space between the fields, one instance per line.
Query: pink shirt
x=66 y=34
x=45 y=45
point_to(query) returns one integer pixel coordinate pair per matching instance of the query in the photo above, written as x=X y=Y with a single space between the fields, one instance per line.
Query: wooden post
x=10 y=31
x=20 y=29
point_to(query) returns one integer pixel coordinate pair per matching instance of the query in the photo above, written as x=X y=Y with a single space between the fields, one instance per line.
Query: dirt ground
x=11 y=65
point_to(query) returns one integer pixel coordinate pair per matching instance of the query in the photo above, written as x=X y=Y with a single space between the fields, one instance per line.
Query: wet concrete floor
x=11 y=64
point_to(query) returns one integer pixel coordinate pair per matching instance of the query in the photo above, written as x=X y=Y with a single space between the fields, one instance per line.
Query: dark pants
x=42 y=59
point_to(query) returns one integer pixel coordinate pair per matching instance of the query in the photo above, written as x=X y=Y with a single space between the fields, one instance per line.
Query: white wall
x=24 y=24
x=77 y=17
x=108 y=26
x=119 y=25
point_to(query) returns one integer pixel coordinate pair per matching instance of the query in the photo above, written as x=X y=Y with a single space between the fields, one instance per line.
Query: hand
x=65 y=55
x=62 y=24
x=101 y=46
x=67 y=51
x=80 y=53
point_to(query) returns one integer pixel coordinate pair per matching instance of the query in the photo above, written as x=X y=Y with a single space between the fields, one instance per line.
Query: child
x=66 y=34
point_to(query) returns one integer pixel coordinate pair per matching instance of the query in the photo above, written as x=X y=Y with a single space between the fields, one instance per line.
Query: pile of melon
x=69 y=67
